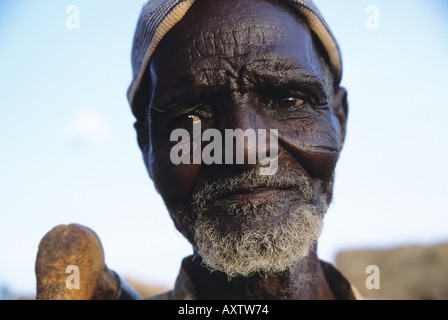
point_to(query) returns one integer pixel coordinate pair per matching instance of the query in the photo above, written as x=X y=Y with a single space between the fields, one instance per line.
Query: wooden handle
x=69 y=264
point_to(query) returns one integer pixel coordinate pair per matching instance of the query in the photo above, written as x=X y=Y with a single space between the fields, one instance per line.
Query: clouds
x=88 y=128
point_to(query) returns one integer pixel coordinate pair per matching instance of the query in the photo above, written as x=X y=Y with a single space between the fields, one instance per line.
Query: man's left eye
x=291 y=102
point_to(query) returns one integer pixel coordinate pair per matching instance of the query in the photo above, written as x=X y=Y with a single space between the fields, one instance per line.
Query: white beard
x=262 y=247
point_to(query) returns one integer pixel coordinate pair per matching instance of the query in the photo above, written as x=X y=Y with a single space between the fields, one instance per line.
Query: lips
x=290 y=184
x=246 y=194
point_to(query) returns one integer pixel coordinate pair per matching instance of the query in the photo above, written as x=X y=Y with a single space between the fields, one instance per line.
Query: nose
x=248 y=143
x=240 y=147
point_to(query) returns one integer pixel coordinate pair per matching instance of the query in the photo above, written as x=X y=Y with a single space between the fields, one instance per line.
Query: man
x=258 y=65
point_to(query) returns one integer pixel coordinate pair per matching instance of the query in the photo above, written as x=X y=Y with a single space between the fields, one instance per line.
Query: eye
x=291 y=102
x=186 y=121
x=194 y=118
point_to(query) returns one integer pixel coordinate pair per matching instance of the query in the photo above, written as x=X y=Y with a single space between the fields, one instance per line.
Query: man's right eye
x=186 y=122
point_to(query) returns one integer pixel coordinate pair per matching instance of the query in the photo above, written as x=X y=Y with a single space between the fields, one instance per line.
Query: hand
x=78 y=246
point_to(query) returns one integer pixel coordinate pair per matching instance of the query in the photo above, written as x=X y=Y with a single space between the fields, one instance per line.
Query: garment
x=184 y=288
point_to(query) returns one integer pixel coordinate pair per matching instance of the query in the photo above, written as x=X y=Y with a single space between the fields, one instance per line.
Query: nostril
x=240 y=147
x=250 y=148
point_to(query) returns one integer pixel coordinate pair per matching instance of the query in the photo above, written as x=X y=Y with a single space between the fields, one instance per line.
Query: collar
x=184 y=288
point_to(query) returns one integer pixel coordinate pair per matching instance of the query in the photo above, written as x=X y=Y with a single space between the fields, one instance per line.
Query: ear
x=340 y=110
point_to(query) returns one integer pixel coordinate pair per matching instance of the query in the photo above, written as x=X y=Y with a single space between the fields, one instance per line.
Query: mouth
x=252 y=194
x=250 y=188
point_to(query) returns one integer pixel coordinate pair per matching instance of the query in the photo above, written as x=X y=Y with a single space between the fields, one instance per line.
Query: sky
x=69 y=152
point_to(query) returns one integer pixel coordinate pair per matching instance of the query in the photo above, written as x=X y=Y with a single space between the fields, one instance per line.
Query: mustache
x=230 y=183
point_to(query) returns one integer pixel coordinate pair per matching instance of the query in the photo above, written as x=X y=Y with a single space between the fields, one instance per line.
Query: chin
x=267 y=238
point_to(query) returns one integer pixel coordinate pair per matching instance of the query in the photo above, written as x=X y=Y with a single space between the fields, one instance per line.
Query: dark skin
x=258 y=69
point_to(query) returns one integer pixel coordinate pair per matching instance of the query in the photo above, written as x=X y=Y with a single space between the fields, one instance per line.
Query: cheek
x=314 y=144
x=319 y=132
x=173 y=182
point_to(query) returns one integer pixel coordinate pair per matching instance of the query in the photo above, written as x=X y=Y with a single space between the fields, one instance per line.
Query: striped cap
x=159 y=16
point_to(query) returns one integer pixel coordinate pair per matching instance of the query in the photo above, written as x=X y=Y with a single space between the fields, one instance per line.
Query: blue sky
x=69 y=152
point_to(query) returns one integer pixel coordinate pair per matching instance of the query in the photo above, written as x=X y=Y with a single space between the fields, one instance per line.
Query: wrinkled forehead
x=214 y=26
x=158 y=17
x=231 y=35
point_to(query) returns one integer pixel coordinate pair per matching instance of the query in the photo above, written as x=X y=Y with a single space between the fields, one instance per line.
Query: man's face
x=244 y=65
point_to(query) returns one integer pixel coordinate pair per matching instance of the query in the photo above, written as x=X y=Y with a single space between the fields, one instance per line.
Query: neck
x=305 y=280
